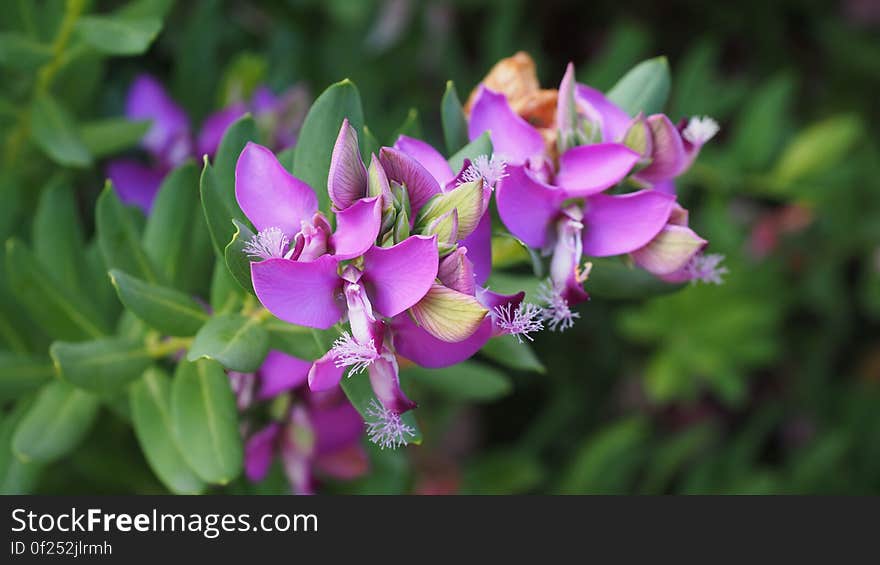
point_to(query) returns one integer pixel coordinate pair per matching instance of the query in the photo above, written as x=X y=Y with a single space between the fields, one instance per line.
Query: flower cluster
x=407 y=263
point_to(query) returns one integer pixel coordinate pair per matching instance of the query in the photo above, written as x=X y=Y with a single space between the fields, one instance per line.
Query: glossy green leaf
x=151 y=415
x=59 y=312
x=18 y=51
x=58 y=238
x=16 y=476
x=205 y=420
x=226 y=294
x=109 y=136
x=480 y=146
x=763 y=123
x=508 y=351
x=455 y=132
x=55 y=132
x=613 y=279
x=609 y=460
x=103 y=365
x=318 y=135
x=165 y=309
x=818 y=148
x=231 y=145
x=467 y=380
x=644 y=88
x=119 y=239
x=55 y=423
x=236 y=259
x=359 y=391
x=21 y=373
x=119 y=35
x=237 y=342
x=411 y=126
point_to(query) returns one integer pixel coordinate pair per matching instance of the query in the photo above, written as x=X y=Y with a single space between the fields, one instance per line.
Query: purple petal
x=345 y=464
x=613 y=119
x=269 y=195
x=386 y=385
x=264 y=100
x=281 y=372
x=493 y=300
x=457 y=272
x=215 y=126
x=666 y=187
x=422 y=348
x=299 y=292
x=347 y=179
x=259 y=451
x=427 y=156
x=168 y=138
x=399 y=276
x=357 y=228
x=512 y=137
x=400 y=167
x=619 y=224
x=135 y=183
x=526 y=205
x=670 y=251
x=588 y=169
x=336 y=427
x=479 y=249
x=668 y=157
x=324 y=374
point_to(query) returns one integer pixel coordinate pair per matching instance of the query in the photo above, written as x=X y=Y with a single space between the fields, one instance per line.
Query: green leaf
x=59 y=312
x=119 y=239
x=763 y=123
x=819 y=148
x=226 y=294
x=239 y=343
x=119 y=35
x=171 y=235
x=16 y=477
x=109 y=136
x=21 y=373
x=608 y=461
x=612 y=278
x=205 y=420
x=480 y=146
x=299 y=341
x=644 y=88
x=103 y=365
x=58 y=238
x=55 y=132
x=165 y=309
x=503 y=472
x=452 y=117
x=411 y=126
x=508 y=351
x=55 y=424
x=466 y=381
x=360 y=393
x=18 y=51
x=231 y=145
x=151 y=415
x=318 y=134
x=236 y=259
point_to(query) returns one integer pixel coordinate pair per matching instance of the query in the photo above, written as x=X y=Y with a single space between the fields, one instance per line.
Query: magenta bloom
x=320 y=433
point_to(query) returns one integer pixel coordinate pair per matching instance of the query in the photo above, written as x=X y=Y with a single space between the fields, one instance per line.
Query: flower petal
x=357 y=228
x=269 y=195
x=385 y=381
x=457 y=272
x=135 y=183
x=281 y=372
x=324 y=374
x=526 y=205
x=399 y=276
x=620 y=224
x=468 y=200
x=215 y=126
x=299 y=292
x=400 y=167
x=344 y=464
x=336 y=426
x=668 y=158
x=427 y=156
x=259 y=451
x=670 y=251
x=479 y=249
x=614 y=120
x=588 y=169
x=512 y=137
x=422 y=348
x=168 y=138
x=347 y=179
x=447 y=314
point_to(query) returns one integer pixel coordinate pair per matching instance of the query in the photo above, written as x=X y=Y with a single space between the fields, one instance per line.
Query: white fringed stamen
x=491 y=170
x=700 y=130
x=385 y=427
x=556 y=312
x=707 y=269
x=270 y=243
x=347 y=352
x=520 y=321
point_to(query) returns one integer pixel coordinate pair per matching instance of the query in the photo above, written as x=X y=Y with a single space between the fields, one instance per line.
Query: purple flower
x=169 y=141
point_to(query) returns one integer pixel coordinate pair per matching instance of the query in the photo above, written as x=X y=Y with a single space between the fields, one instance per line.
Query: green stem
x=168 y=346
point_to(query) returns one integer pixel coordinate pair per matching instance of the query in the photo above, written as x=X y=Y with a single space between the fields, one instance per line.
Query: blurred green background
x=769 y=383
